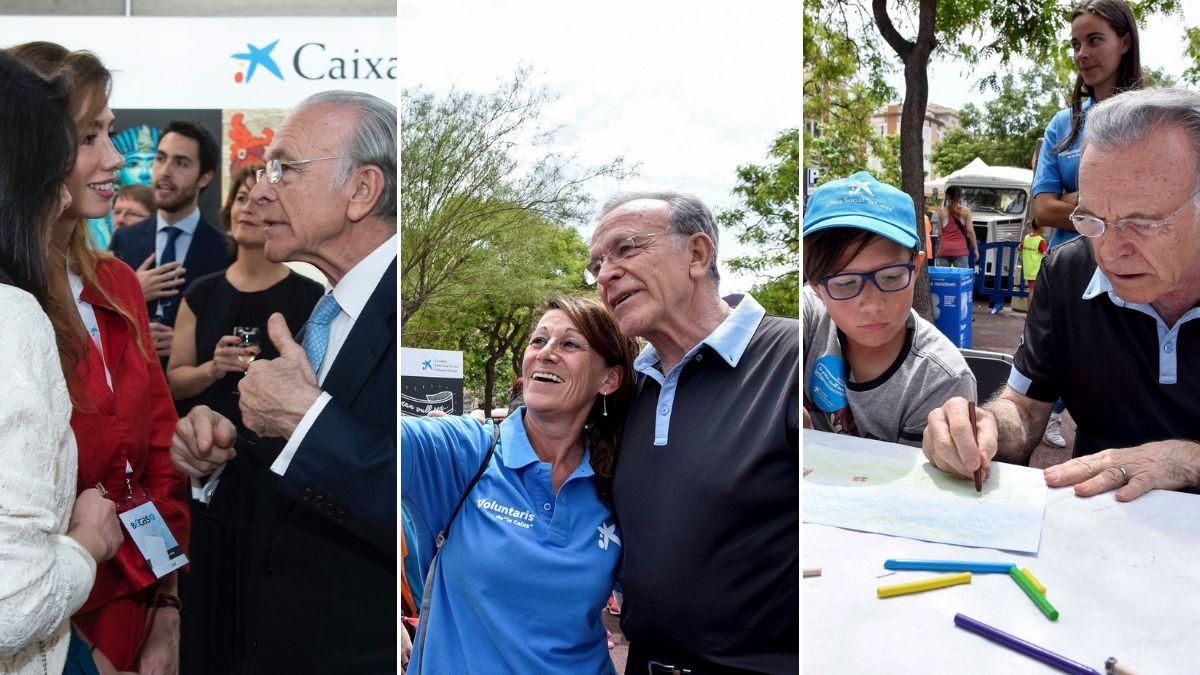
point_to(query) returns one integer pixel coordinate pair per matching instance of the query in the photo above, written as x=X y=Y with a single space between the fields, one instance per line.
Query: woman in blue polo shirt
x=534 y=551
x=1104 y=45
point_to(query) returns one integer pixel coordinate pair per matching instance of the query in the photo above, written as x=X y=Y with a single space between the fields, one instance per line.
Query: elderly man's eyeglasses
x=620 y=250
x=848 y=285
x=275 y=168
x=1091 y=226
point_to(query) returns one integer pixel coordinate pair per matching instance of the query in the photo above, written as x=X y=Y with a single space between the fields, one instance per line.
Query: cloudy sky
x=687 y=92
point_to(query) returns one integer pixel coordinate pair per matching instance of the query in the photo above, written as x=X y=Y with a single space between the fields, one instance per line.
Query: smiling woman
x=542 y=501
x=103 y=335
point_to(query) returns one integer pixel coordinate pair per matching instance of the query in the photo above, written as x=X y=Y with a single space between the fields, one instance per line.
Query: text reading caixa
x=312 y=63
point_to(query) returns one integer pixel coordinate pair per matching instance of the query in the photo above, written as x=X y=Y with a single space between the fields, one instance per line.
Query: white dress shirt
x=352 y=294
x=187 y=228
x=183 y=242
x=87 y=314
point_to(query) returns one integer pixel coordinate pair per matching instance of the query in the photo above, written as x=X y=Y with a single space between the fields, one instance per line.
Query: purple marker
x=1027 y=648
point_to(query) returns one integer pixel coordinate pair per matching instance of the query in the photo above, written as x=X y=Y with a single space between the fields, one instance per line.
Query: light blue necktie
x=316 y=334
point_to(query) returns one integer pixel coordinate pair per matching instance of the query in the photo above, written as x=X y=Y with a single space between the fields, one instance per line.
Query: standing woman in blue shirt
x=534 y=552
x=1104 y=45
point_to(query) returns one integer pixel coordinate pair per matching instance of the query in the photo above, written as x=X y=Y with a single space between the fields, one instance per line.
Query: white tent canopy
x=977 y=172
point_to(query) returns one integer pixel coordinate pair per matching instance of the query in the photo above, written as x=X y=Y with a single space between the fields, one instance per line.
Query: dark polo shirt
x=1126 y=376
x=710 y=515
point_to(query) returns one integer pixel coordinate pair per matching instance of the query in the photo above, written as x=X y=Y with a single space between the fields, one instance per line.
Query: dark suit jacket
x=324 y=596
x=208 y=253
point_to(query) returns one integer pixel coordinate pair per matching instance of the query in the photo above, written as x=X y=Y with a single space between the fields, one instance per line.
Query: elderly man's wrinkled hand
x=1132 y=472
x=203 y=442
x=276 y=393
x=949 y=444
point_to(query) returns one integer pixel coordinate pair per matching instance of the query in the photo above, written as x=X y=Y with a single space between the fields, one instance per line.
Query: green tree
x=843 y=87
x=767 y=219
x=470 y=178
x=969 y=30
x=1004 y=131
x=489 y=319
x=886 y=149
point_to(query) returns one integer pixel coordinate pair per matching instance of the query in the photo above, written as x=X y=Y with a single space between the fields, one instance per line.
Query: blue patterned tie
x=316 y=334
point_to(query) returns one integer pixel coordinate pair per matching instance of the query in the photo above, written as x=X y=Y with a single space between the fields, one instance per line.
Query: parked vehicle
x=998 y=196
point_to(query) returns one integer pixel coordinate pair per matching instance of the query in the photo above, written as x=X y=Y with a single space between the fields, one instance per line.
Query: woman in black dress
x=205 y=368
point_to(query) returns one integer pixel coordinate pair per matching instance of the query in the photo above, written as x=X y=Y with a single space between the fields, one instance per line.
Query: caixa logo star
x=255 y=57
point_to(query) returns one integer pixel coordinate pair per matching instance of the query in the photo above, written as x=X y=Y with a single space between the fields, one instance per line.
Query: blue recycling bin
x=951 y=290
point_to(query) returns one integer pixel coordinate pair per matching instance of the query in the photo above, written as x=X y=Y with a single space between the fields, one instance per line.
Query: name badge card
x=154 y=539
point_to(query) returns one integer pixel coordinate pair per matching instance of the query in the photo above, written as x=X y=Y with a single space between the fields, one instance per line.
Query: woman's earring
x=604 y=400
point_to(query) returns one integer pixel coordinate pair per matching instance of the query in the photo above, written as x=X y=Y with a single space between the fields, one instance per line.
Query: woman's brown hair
x=225 y=215
x=89 y=84
x=603 y=432
x=1129 y=76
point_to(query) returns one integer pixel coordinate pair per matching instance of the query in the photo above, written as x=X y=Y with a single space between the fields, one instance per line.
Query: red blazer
x=134 y=422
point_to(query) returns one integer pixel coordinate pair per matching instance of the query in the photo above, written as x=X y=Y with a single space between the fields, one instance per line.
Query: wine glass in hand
x=247 y=339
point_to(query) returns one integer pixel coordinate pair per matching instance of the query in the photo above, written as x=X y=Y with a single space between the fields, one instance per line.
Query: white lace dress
x=44 y=575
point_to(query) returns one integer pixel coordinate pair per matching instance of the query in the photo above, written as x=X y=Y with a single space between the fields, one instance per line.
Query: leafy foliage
x=1006 y=129
x=487 y=230
x=769 y=219
x=465 y=186
x=843 y=87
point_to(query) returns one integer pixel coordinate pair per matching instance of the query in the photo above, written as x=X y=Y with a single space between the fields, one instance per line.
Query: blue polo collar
x=516 y=452
x=1100 y=284
x=729 y=339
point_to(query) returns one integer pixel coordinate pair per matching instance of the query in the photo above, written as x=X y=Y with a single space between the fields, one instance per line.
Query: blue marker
x=949 y=566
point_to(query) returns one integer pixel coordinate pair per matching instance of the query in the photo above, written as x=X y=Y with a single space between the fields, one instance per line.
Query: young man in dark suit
x=324 y=598
x=175 y=246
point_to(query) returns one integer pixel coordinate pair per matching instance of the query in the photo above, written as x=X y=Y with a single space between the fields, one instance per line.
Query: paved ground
x=999 y=333
x=995 y=333
x=621 y=649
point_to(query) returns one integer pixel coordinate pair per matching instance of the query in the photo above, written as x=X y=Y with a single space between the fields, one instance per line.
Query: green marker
x=1038 y=598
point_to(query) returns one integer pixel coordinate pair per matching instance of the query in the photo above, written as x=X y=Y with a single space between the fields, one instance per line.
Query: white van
x=999 y=199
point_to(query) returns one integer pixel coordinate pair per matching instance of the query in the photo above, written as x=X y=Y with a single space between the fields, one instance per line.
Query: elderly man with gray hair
x=323 y=598
x=706 y=485
x=1115 y=332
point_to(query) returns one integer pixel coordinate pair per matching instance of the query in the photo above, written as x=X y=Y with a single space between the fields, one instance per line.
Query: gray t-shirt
x=892 y=407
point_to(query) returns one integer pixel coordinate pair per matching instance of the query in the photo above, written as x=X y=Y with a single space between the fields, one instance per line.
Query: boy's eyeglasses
x=848 y=285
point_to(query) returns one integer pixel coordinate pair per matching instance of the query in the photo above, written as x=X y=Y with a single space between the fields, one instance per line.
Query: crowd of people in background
x=116 y=345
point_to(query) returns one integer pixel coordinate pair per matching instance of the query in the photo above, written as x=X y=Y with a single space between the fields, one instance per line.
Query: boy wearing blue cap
x=872 y=367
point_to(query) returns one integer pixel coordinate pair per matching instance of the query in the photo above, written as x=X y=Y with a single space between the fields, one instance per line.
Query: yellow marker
x=929 y=584
x=1033 y=580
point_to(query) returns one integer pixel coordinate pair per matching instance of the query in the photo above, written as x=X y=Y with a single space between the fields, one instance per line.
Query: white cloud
x=688 y=90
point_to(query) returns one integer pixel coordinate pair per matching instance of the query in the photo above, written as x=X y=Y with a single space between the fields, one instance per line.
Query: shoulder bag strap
x=419 y=643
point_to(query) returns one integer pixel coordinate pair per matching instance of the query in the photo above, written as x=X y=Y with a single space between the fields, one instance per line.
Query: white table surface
x=1125 y=578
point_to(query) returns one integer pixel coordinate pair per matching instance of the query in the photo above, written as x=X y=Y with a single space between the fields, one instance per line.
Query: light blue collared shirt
x=188 y=231
x=1168 y=338
x=728 y=339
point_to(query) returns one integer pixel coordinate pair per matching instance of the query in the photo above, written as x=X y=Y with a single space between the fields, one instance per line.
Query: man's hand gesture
x=277 y=393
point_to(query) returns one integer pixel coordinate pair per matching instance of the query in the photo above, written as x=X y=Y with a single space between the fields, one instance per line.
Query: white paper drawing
x=891 y=489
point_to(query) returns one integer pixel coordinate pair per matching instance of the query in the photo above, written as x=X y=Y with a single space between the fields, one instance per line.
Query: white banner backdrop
x=247 y=62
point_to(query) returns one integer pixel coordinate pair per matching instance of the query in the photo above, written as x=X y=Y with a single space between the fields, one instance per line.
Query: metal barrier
x=1003 y=285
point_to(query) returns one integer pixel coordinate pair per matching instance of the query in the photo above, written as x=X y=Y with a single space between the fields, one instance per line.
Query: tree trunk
x=489 y=387
x=915 y=56
x=912 y=165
